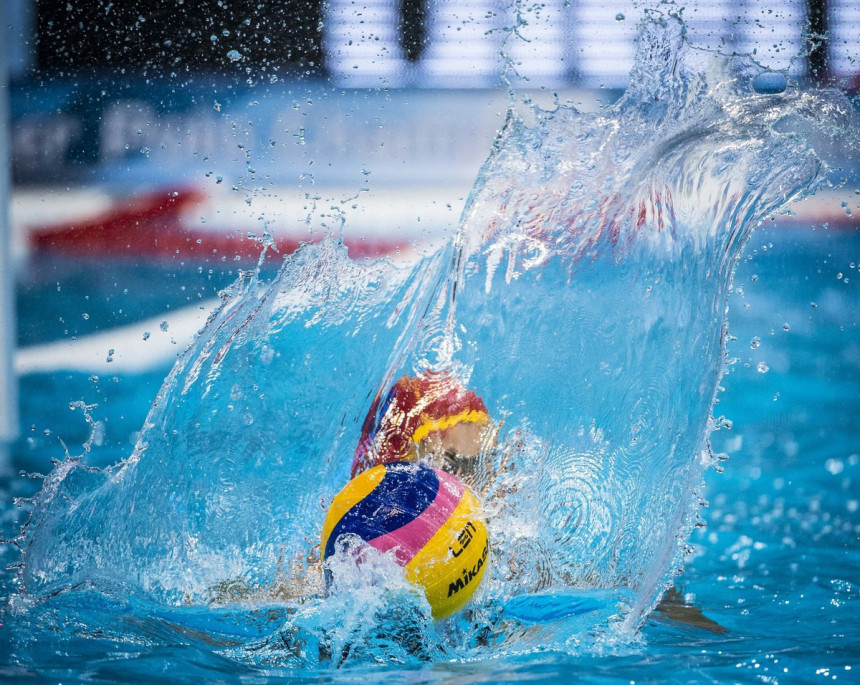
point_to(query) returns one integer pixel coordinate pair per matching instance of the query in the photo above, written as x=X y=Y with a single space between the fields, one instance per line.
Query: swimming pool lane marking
x=132 y=353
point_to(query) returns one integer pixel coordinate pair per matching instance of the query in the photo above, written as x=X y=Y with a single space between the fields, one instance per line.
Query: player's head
x=432 y=416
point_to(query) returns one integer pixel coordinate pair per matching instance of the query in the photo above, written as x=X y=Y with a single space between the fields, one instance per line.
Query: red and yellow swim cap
x=419 y=411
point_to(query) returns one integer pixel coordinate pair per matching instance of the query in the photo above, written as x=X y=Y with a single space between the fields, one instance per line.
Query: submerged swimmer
x=407 y=494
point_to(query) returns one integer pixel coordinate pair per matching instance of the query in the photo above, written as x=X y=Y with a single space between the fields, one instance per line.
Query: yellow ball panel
x=450 y=566
x=355 y=491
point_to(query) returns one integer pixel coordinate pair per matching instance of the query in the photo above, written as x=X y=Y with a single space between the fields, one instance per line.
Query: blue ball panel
x=402 y=495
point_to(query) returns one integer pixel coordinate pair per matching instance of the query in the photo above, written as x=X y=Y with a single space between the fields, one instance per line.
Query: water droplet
x=620 y=17
x=217 y=106
x=755 y=343
x=786 y=327
x=722 y=423
x=762 y=367
x=234 y=55
x=834 y=466
x=85 y=316
x=163 y=326
x=146 y=335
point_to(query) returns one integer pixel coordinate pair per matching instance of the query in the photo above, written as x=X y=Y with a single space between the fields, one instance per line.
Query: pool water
x=584 y=296
x=775 y=565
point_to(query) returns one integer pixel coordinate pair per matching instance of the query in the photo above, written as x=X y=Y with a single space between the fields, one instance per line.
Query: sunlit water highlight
x=584 y=298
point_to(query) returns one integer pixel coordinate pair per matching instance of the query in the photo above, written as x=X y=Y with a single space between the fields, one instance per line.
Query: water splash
x=584 y=298
x=586 y=303
x=259 y=408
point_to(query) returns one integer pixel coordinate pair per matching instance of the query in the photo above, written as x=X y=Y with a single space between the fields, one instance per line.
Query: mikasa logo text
x=469 y=575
